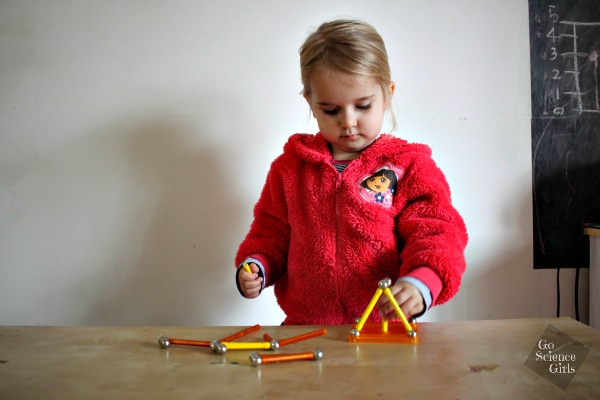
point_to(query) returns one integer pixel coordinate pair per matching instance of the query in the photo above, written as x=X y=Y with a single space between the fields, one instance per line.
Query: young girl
x=349 y=206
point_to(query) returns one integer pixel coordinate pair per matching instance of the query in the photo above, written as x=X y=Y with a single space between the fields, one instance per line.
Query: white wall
x=135 y=137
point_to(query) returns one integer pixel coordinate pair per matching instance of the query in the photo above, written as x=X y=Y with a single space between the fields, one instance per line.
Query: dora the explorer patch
x=380 y=186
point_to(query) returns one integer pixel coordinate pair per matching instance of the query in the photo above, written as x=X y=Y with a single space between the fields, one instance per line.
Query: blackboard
x=565 y=128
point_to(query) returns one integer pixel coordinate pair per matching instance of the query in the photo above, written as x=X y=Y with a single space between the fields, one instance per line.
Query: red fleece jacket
x=327 y=238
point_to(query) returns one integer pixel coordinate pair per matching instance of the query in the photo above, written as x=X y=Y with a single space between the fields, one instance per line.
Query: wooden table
x=473 y=360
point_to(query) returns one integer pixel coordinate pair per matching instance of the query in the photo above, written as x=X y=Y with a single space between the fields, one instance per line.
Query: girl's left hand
x=408 y=297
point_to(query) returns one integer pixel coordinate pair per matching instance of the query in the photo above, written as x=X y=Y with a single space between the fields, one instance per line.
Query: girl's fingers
x=252 y=287
x=410 y=304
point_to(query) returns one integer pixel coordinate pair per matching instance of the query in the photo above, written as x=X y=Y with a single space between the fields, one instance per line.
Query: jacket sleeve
x=433 y=232
x=269 y=233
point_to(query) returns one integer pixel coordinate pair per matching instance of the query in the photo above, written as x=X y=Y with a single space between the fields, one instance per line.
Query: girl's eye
x=335 y=111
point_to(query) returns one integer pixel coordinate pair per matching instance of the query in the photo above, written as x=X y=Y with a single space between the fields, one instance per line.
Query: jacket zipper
x=338 y=184
x=338 y=249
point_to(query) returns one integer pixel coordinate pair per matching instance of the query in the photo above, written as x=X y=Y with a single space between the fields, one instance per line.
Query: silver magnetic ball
x=412 y=320
x=221 y=348
x=357 y=320
x=214 y=344
x=318 y=354
x=412 y=334
x=385 y=283
x=255 y=359
x=274 y=344
x=355 y=332
x=163 y=342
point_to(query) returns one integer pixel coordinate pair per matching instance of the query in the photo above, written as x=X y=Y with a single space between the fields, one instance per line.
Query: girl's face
x=349 y=110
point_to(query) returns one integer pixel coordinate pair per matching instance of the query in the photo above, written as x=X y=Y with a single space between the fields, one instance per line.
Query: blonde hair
x=347 y=46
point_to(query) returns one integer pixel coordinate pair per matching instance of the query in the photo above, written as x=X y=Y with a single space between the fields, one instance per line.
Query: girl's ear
x=306 y=96
x=392 y=89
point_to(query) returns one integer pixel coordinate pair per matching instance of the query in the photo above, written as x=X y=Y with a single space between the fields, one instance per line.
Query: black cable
x=577 y=293
x=557 y=292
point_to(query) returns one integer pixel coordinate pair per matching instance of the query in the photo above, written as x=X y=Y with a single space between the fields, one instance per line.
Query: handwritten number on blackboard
x=556 y=75
x=551 y=35
x=553 y=16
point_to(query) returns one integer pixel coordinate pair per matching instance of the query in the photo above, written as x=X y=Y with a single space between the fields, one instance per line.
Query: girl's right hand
x=250 y=283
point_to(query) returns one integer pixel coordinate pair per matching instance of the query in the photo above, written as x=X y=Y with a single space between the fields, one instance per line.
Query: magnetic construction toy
x=384 y=332
x=223 y=345
x=258 y=359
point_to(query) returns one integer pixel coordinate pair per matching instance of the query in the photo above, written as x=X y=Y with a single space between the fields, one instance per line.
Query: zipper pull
x=338 y=182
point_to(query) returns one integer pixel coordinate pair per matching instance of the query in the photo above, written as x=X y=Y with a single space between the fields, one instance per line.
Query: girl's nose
x=347 y=119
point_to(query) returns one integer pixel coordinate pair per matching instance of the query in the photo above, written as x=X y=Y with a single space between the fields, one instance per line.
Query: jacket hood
x=315 y=149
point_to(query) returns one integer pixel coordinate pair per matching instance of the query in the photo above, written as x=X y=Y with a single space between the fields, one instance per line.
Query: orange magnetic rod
x=165 y=341
x=241 y=333
x=259 y=359
x=275 y=344
x=215 y=345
